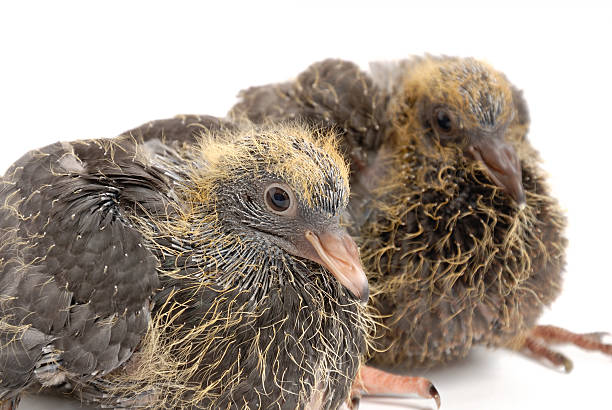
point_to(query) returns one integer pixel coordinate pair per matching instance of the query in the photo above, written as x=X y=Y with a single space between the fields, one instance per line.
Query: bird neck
x=252 y=264
x=234 y=308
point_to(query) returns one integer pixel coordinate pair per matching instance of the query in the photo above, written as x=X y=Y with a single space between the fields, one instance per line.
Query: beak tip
x=364 y=295
x=519 y=197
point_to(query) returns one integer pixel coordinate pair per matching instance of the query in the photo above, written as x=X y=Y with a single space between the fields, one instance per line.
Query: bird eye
x=279 y=199
x=443 y=120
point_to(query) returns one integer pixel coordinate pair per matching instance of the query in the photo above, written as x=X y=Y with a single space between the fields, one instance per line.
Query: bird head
x=465 y=106
x=282 y=186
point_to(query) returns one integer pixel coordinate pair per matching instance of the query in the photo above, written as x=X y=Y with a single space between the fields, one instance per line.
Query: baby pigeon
x=146 y=272
x=461 y=238
x=186 y=128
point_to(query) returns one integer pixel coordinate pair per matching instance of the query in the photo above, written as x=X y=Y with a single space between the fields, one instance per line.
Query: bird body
x=453 y=261
x=462 y=240
x=461 y=255
x=151 y=271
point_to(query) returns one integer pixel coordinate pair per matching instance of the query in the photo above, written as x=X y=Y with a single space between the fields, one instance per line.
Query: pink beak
x=337 y=252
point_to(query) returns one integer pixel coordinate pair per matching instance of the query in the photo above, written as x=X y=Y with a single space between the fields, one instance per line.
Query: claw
x=597 y=336
x=352 y=403
x=436 y=396
x=540 y=350
x=377 y=383
x=568 y=365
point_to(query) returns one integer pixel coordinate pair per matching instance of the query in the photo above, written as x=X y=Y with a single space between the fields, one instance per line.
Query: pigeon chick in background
x=461 y=238
x=155 y=273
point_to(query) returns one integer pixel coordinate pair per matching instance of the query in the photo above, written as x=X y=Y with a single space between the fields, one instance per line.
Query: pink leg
x=540 y=337
x=371 y=381
x=588 y=341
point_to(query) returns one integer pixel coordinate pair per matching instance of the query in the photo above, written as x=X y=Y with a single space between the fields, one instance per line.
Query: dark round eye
x=444 y=120
x=278 y=199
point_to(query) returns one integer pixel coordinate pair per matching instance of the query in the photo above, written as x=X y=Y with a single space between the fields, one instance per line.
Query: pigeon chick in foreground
x=461 y=238
x=186 y=129
x=140 y=272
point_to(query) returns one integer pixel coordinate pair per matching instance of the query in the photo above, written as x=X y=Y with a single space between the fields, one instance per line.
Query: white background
x=75 y=70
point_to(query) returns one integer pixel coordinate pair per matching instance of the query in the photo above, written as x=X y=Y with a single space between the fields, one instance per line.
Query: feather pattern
x=136 y=272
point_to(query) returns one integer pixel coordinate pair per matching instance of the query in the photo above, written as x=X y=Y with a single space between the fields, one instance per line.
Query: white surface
x=74 y=70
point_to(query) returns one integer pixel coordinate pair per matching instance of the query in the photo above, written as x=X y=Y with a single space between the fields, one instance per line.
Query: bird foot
x=540 y=337
x=377 y=383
